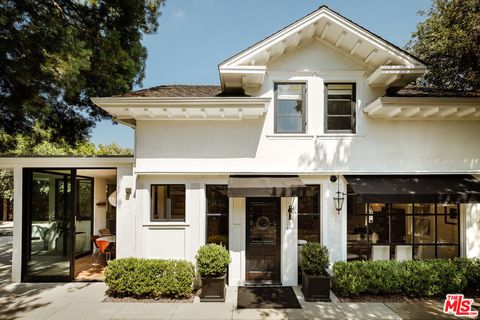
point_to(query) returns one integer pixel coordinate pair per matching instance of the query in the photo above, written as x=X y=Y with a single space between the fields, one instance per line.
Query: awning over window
x=419 y=189
x=265 y=186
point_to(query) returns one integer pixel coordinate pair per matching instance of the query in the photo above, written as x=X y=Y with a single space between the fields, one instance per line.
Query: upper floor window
x=340 y=108
x=290 y=108
x=168 y=202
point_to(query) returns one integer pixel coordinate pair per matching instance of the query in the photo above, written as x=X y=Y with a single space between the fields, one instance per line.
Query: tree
x=449 y=42
x=38 y=142
x=56 y=54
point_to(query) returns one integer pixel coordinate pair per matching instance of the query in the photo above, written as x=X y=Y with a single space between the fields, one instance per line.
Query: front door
x=263 y=240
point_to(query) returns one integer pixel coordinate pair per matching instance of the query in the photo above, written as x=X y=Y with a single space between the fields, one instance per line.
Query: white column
x=17 y=224
x=334 y=223
x=289 y=242
x=126 y=222
x=236 y=242
x=472 y=230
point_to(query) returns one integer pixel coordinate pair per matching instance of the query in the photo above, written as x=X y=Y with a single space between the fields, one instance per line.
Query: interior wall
x=99 y=212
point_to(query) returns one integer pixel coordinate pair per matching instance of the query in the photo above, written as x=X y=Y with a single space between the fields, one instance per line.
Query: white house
x=314 y=118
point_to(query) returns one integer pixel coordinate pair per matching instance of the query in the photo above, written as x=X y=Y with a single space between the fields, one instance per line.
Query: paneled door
x=263 y=241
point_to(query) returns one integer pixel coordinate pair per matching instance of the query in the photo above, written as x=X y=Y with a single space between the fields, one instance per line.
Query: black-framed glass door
x=48 y=225
x=263 y=241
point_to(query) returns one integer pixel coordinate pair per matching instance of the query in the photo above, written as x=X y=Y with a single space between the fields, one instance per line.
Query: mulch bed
x=389 y=298
x=151 y=300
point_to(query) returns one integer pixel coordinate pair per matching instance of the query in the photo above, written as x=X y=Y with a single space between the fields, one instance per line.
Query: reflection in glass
x=50 y=228
x=290 y=108
x=309 y=214
x=424 y=252
x=168 y=202
x=84 y=215
x=263 y=223
x=217 y=214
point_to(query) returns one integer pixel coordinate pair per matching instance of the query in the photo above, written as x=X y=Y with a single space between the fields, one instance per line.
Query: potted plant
x=212 y=261
x=315 y=279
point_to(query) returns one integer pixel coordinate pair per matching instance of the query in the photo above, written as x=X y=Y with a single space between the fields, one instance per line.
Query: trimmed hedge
x=415 y=278
x=149 y=278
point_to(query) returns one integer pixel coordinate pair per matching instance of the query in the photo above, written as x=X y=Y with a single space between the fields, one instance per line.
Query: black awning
x=416 y=188
x=265 y=186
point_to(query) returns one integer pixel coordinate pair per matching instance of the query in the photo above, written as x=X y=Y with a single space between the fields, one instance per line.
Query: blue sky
x=195 y=35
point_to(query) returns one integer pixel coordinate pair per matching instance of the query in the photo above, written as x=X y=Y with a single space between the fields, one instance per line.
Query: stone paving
x=84 y=301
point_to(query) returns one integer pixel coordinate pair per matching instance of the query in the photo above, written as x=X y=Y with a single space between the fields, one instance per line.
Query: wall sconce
x=339 y=197
x=128 y=192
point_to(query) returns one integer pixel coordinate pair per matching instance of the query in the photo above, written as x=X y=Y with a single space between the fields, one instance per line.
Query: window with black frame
x=290 y=108
x=384 y=231
x=217 y=214
x=309 y=214
x=340 y=108
x=168 y=202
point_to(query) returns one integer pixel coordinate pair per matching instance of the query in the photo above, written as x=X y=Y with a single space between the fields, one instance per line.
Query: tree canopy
x=38 y=142
x=449 y=42
x=56 y=54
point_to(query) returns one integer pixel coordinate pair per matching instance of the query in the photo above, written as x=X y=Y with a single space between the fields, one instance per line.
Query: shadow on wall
x=199 y=139
x=326 y=154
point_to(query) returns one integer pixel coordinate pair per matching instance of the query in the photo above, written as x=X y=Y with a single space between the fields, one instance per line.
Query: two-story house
x=312 y=135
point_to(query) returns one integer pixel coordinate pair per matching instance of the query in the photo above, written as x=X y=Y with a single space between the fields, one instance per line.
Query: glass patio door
x=48 y=226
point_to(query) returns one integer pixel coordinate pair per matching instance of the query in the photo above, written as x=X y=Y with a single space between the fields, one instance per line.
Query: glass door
x=48 y=226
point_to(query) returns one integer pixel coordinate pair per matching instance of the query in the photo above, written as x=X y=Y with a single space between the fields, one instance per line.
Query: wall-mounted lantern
x=339 y=197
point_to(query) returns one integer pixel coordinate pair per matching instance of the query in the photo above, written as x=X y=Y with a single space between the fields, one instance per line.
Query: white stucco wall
x=379 y=146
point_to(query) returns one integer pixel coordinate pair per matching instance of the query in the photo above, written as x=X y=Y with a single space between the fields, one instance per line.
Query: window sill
x=290 y=136
x=340 y=135
x=166 y=224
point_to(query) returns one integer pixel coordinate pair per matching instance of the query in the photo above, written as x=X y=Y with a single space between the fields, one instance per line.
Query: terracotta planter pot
x=316 y=288
x=213 y=289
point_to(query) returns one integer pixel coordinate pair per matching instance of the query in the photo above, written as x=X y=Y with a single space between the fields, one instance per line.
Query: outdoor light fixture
x=339 y=197
x=290 y=211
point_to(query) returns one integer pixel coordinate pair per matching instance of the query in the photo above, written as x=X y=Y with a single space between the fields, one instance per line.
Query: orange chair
x=102 y=250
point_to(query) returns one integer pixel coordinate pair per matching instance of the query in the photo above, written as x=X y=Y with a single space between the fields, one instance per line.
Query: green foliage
x=315 y=259
x=212 y=260
x=415 y=278
x=56 y=55
x=149 y=278
x=40 y=142
x=449 y=42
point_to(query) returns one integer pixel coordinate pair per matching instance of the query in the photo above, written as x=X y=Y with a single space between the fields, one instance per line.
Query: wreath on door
x=263 y=223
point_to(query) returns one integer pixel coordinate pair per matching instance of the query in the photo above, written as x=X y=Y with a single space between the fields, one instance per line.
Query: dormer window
x=290 y=108
x=340 y=108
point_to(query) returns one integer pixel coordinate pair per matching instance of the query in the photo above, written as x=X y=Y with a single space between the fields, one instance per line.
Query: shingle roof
x=417 y=91
x=180 y=90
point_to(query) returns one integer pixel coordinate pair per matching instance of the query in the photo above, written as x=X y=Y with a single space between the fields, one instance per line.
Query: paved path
x=84 y=301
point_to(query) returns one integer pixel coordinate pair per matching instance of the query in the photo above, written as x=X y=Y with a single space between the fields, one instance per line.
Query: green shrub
x=315 y=259
x=212 y=260
x=426 y=278
x=149 y=278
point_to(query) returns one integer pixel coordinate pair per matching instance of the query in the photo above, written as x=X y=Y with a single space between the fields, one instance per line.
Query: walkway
x=84 y=301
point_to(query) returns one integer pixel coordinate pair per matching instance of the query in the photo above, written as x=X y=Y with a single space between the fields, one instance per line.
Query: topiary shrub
x=315 y=259
x=149 y=278
x=212 y=260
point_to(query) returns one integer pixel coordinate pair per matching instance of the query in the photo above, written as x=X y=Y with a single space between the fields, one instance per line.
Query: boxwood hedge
x=415 y=278
x=149 y=278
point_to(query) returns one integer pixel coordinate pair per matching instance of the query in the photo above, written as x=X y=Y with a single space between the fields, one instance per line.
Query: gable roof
x=248 y=67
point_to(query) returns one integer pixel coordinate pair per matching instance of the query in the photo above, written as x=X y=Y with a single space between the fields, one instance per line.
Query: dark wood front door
x=263 y=240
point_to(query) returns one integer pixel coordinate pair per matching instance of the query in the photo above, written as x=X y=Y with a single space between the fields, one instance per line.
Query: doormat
x=267 y=298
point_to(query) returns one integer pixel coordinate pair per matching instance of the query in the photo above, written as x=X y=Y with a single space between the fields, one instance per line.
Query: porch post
x=17 y=224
